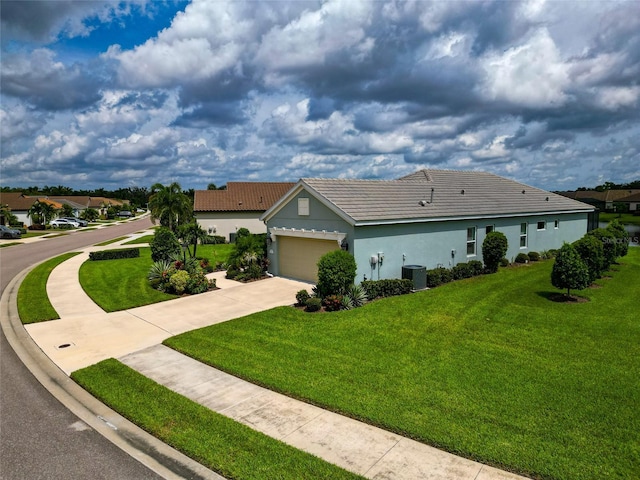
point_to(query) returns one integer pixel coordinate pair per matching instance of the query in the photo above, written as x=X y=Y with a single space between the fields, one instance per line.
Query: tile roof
x=17 y=201
x=429 y=194
x=87 y=202
x=635 y=197
x=241 y=197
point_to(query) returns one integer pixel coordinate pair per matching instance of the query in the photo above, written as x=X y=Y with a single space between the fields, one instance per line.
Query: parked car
x=63 y=222
x=6 y=232
x=125 y=213
x=81 y=222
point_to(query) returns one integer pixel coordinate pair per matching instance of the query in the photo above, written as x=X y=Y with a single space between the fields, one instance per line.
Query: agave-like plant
x=357 y=295
x=158 y=273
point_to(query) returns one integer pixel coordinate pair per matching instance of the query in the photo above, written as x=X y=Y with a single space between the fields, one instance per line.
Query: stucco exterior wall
x=225 y=223
x=431 y=243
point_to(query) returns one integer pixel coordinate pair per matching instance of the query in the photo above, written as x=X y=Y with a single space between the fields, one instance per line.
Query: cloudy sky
x=117 y=94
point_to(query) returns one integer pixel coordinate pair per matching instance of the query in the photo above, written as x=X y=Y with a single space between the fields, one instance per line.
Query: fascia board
x=465 y=217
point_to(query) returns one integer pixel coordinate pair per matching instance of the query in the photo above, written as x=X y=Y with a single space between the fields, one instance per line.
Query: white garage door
x=298 y=257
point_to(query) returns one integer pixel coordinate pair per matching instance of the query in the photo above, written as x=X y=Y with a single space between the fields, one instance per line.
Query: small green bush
x=608 y=240
x=314 y=304
x=355 y=297
x=115 y=254
x=387 y=287
x=522 y=258
x=461 y=270
x=533 y=256
x=621 y=236
x=477 y=268
x=178 y=281
x=197 y=283
x=302 y=296
x=438 y=276
x=569 y=271
x=213 y=240
x=591 y=252
x=504 y=262
x=336 y=272
x=332 y=303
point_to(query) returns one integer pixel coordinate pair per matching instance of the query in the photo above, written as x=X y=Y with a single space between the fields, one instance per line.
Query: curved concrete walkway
x=85 y=335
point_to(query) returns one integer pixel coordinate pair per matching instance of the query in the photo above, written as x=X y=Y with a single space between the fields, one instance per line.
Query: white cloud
x=531 y=75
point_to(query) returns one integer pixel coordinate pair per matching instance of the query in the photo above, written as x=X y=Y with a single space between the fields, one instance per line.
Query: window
x=489 y=228
x=556 y=224
x=523 y=235
x=542 y=225
x=303 y=206
x=471 y=241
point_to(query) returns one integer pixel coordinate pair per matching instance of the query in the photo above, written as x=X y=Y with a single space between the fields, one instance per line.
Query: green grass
x=33 y=302
x=221 y=444
x=625 y=218
x=2 y=245
x=120 y=284
x=488 y=368
x=109 y=242
x=144 y=239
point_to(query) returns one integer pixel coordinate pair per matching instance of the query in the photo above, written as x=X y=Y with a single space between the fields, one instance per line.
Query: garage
x=298 y=256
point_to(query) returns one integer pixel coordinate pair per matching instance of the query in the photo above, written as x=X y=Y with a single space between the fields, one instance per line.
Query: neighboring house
x=224 y=212
x=604 y=200
x=19 y=204
x=632 y=202
x=430 y=218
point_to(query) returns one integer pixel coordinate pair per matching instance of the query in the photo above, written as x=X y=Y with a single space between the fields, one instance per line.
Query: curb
x=148 y=450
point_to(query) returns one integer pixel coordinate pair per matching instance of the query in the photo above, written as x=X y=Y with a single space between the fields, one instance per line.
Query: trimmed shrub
x=314 y=304
x=336 y=272
x=461 y=270
x=608 y=240
x=504 y=262
x=438 y=276
x=569 y=271
x=387 y=287
x=213 y=240
x=197 y=283
x=164 y=245
x=591 y=252
x=115 y=254
x=621 y=236
x=302 y=296
x=522 y=258
x=494 y=248
x=477 y=268
x=332 y=303
x=533 y=256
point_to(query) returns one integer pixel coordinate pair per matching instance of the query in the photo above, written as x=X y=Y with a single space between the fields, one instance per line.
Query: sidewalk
x=85 y=335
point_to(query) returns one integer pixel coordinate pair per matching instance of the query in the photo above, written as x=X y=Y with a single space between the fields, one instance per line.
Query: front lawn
x=33 y=302
x=121 y=284
x=489 y=368
x=624 y=218
x=217 y=442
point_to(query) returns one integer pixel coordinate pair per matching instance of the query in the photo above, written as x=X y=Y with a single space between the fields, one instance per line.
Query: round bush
x=476 y=267
x=313 y=304
x=461 y=271
x=591 y=252
x=522 y=258
x=504 y=262
x=494 y=248
x=178 y=281
x=332 y=303
x=533 y=256
x=569 y=271
x=164 y=245
x=336 y=273
x=302 y=296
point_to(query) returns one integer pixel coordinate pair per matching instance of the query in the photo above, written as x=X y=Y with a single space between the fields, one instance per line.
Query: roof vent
x=523 y=191
x=462 y=191
x=422 y=203
x=546 y=199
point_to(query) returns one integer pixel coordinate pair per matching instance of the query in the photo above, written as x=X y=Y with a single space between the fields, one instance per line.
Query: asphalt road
x=39 y=437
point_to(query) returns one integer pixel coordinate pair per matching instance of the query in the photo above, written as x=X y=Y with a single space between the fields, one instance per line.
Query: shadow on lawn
x=562 y=297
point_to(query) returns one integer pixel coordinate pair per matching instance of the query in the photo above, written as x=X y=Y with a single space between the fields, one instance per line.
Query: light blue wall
x=430 y=244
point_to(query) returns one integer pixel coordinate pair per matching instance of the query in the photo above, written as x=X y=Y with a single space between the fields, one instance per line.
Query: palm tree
x=190 y=234
x=170 y=206
x=35 y=212
x=48 y=211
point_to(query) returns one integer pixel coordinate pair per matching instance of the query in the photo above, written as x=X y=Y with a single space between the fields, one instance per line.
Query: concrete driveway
x=85 y=334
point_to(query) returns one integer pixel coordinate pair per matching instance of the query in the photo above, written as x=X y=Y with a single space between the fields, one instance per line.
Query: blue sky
x=116 y=94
